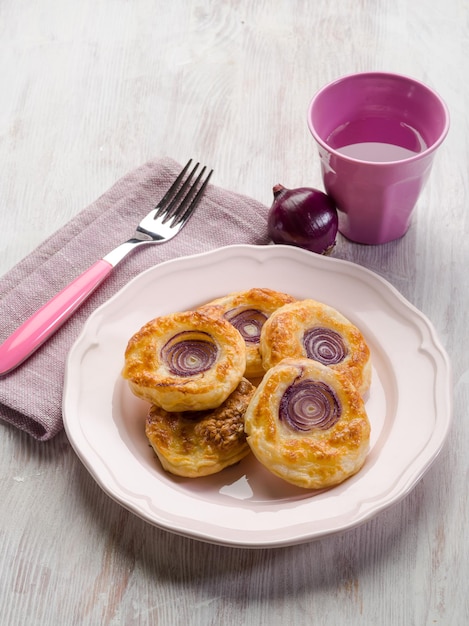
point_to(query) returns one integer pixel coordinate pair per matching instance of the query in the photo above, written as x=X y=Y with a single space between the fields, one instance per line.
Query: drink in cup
x=377 y=134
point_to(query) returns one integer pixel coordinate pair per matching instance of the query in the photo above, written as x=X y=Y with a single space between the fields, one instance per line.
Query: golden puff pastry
x=307 y=424
x=311 y=329
x=201 y=443
x=185 y=361
x=247 y=311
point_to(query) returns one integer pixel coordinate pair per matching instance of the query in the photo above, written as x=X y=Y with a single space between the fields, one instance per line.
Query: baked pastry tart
x=185 y=361
x=247 y=311
x=201 y=443
x=307 y=328
x=307 y=424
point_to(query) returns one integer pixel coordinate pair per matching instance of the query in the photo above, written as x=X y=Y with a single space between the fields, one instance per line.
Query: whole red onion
x=303 y=217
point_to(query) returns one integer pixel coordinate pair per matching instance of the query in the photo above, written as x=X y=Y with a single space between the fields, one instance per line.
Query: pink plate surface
x=409 y=404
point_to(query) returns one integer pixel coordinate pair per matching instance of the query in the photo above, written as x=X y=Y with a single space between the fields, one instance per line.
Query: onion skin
x=308 y=405
x=324 y=345
x=248 y=322
x=303 y=217
x=189 y=353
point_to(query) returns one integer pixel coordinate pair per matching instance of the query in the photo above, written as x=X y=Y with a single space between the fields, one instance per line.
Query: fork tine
x=168 y=196
x=186 y=208
x=179 y=198
x=165 y=211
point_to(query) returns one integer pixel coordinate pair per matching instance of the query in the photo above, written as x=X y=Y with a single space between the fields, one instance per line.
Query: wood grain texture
x=91 y=90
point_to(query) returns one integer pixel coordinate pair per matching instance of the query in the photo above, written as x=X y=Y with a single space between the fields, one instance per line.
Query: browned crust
x=318 y=458
x=262 y=299
x=201 y=443
x=150 y=379
x=282 y=337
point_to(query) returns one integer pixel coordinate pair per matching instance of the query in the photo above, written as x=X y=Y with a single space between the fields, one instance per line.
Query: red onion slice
x=324 y=345
x=248 y=322
x=189 y=353
x=308 y=404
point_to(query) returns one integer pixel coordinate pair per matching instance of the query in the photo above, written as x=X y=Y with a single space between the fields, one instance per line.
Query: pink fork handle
x=42 y=324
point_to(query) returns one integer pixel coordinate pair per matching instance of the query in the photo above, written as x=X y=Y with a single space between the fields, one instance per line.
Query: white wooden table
x=90 y=90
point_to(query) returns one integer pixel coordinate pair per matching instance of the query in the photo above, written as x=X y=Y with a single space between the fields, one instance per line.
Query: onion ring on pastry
x=311 y=329
x=185 y=361
x=200 y=443
x=247 y=311
x=307 y=424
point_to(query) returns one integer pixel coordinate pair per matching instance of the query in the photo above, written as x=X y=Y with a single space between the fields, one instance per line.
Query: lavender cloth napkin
x=31 y=395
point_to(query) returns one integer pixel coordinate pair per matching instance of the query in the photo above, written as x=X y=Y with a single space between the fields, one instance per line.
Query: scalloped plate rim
x=288 y=535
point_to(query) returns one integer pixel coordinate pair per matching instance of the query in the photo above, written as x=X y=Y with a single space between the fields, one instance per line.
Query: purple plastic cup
x=377 y=135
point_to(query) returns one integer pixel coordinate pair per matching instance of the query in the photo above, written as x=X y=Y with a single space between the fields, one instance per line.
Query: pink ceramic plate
x=409 y=405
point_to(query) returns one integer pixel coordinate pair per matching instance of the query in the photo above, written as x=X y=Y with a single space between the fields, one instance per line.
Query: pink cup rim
x=404 y=77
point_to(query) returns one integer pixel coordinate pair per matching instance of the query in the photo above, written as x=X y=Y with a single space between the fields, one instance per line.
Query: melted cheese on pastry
x=247 y=311
x=307 y=424
x=311 y=329
x=200 y=443
x=185 y=361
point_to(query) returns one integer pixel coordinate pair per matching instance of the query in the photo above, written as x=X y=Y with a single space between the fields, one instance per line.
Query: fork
x=161 y=224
